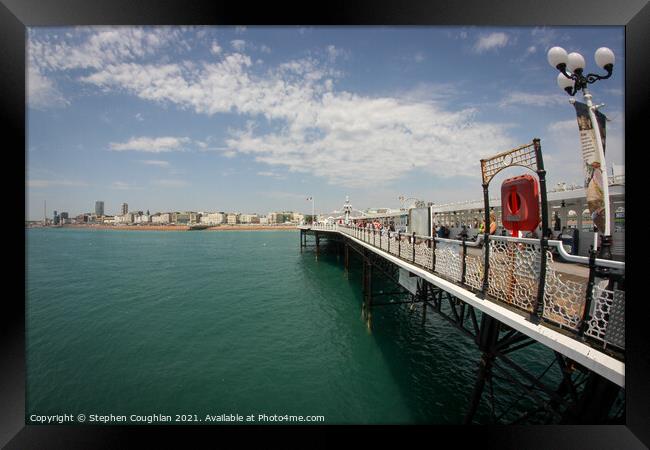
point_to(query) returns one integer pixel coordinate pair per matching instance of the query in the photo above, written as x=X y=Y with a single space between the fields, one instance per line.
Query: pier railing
x=590 y=307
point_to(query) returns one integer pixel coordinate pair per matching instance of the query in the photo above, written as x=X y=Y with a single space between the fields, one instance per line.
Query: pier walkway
x=574 y=308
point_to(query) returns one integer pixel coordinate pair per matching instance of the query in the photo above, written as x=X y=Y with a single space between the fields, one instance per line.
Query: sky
x=257 y=119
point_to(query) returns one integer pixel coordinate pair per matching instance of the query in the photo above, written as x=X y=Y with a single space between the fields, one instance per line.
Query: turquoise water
x=126 y=322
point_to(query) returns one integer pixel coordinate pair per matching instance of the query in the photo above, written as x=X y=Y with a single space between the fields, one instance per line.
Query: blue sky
x=257 y=119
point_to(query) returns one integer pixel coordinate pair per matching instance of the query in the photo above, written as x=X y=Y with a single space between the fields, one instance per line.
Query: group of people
x=376 y=225
x=444 y=232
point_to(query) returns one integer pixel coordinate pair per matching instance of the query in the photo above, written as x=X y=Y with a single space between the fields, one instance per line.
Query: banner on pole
x=594 y=177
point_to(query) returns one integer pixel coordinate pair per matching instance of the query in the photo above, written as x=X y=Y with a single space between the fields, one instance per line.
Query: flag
x=594 y=176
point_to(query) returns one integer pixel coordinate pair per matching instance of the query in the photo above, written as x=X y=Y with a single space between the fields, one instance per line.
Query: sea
x=233 y=326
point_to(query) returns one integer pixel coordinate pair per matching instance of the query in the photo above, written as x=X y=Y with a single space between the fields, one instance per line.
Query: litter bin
x=570 y=241
x=567 y=243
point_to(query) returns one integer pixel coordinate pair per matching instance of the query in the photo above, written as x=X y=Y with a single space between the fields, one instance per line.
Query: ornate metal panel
x=521 y=156
x=406 y=249
x=393 y=245
x=448 y=260
x=383 y=243
x=616 y=326
x=423 y=254
x=474 y=270
x=564 y=300
x=607 y=322
x=514 y=273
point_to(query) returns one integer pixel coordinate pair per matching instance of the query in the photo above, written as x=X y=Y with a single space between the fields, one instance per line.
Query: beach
x=182 y=227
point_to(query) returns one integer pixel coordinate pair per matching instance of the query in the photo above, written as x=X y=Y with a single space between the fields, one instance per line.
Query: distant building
x=99 y=208
x=249 y=218
x=194 y=217
x=55 y=218
x=280 y=217
x=232 y=218
x=161 y=218
x=213 y=218
x=264 y=220
x=182 y=218
x=125 y=208
x=64 y=218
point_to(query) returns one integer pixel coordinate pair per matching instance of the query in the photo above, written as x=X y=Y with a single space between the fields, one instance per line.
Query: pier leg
x=487 y=338
x=317 y=244
x=485 y=367
x=301 y=238
x=346 y=258
x=367 y=292
x=424 y=291
x=595 y=402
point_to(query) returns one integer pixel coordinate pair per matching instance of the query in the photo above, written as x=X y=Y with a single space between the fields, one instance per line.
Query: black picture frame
x=16 y=15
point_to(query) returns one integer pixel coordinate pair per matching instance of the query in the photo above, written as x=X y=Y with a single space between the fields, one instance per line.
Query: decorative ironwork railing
x=594 y=314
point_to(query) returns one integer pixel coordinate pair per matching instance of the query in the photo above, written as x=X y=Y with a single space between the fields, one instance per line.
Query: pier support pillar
x=346 y=257
x=424 y=292
x=302 y=232
x=367 y=292
x=486 y=340
x=595 y=401
x=317 y=243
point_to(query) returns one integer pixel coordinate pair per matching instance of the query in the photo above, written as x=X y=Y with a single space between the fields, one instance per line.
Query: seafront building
x=249 y=218
x=175 y=217
x=215 y=218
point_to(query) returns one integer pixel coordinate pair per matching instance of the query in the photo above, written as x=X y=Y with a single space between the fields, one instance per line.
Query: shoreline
x=180 y=227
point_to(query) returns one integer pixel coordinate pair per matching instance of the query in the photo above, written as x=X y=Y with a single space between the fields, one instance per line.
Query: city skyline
x=261 y=118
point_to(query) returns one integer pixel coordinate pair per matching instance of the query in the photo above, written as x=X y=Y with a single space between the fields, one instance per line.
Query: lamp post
x=312 y=208
x=573 y=81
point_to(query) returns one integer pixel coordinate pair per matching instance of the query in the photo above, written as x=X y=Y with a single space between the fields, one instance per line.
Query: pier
x=584 y=327
x=506 y=293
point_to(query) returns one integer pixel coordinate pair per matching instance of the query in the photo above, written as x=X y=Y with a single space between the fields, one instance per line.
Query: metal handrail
x=363 y=234
x=620 y=265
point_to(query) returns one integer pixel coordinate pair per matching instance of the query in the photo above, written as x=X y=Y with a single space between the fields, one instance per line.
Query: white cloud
x=419 y=57
x=100 y=46
x=563 y=126
x=344 y=138
x=530 y=99
x=238 y=44
x=41 y=91
x=215 y=49
x=155 y=162
x=545 y=38
x=272 y=175
x=170 y=183
x=55 y=183
x=152 y=145
x=240 y=30
x=265 y=49
x=491 y=41
x=332 y=52
x=122 y=185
